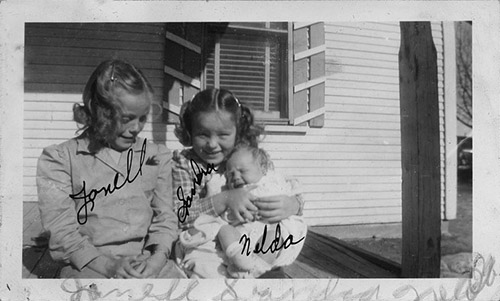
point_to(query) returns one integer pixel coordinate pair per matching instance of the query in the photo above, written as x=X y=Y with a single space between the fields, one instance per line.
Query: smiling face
x=242 y=169
x=213 y=135
x=134 y=112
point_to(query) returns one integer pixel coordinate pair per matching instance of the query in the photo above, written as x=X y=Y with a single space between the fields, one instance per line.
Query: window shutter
x=308 y=74
x=182 y=65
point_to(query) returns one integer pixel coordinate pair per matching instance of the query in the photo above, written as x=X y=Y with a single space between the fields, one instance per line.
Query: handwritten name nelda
x=273 y=246
x=110 y=188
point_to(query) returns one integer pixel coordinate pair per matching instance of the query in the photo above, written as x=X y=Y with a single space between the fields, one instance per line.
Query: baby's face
x=242 y=169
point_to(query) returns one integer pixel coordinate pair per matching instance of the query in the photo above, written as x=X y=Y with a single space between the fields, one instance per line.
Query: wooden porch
x=321 y=257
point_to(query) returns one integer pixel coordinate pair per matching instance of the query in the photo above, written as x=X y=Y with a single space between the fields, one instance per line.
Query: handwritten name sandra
x=273 y=246
x=110 y=188
x=199 y=172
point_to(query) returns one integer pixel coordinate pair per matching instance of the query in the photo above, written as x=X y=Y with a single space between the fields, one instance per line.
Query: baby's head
x=213 y=122
x=246 y=165
x=116 y=102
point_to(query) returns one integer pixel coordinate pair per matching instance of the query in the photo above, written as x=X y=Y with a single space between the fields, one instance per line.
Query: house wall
x=350 y=169
x=59 y=59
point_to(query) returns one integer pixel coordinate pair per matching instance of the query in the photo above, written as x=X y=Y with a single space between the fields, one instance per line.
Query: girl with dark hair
x=211 y=125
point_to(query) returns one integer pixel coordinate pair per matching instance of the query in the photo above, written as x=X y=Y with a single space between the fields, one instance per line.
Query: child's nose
x=236 y=175
x=135 y=127
x=212 y=142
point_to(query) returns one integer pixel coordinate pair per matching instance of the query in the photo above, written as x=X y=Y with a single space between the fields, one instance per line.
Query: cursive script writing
x=199 y=172
x=273 y=246
x=466 y=289
x=110 y=188
x=93 y=293
x=231 y=291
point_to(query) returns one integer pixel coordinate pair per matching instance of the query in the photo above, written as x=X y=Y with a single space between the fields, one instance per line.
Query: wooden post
x=420 y=152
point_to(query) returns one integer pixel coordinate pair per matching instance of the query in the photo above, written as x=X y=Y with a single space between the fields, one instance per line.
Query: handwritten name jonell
x=110 y=188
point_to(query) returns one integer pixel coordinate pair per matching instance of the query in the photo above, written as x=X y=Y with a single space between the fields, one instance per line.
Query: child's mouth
x=128 y=138
x=212 y=153
x=238 y=184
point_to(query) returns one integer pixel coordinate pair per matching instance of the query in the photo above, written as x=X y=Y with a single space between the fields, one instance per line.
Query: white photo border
x=485 y=16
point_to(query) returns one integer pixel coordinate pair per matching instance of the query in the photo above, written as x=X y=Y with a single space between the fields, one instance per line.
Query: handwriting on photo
x=273 y=246
x=109 y=189
x=465 y=289
x=199 y=172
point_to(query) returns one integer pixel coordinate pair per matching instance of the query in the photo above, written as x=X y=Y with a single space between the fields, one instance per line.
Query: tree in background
x=464 y=72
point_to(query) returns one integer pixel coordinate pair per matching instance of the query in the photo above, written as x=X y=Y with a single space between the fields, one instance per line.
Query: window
x=250 y=59
x=276 y=68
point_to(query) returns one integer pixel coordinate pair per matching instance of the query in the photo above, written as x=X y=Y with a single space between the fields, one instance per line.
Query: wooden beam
x=420 y=152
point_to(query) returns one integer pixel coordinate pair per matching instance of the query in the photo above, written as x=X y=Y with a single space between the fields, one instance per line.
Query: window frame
x=281 y=117
x=305 y=76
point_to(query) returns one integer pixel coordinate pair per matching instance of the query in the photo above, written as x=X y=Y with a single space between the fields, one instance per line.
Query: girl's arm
x=163 y=230
x=190 y=206
x=290 y=202
x=57 y=209
x=115 y=268
x=58 y=215
x=239 y=201
x=186 y=194
x=274 y=209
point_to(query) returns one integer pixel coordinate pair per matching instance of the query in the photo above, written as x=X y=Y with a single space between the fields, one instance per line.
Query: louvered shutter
x=308 y=104
x=182 y=65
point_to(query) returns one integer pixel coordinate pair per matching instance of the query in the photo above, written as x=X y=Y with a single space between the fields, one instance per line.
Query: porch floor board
x=322 y=256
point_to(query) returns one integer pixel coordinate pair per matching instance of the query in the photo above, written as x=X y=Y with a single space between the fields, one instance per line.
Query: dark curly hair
x=210 y=100
x=100 y=112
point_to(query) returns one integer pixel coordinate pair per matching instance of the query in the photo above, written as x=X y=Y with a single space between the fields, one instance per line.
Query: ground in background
x=386 y=241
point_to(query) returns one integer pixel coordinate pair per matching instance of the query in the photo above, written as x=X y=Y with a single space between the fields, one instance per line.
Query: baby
x=252 y=168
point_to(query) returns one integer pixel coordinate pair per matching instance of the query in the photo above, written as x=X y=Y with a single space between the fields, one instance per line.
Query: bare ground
x=457 y=240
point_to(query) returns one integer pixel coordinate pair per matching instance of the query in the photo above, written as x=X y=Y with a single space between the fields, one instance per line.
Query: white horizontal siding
x=351 y=168
x=364 y=81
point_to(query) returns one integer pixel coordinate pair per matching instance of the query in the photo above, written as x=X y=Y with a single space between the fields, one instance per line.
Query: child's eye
x=204 y=135
x=143 y=118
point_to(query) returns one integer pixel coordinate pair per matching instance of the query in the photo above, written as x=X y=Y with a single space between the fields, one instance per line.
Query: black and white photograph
x=196 y=156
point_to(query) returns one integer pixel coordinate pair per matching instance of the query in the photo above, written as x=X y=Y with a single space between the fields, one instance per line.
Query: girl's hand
x=273 y=209
x=115 y=267
x=240 y=201
x=140 y=262
x=152 y=266
x=125 y=268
